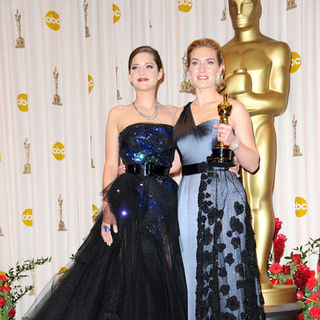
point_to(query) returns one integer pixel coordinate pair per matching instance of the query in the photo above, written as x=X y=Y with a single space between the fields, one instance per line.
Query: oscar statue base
x=288 y=311
x=279 y=294
x=222 y=156
x=280 y=302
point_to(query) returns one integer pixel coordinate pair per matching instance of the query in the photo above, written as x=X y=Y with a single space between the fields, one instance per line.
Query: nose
x=202 y=67
x=141 y=71
x=238 y=8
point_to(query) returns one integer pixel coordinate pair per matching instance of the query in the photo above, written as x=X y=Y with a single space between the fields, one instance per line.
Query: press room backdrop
x=64 y=65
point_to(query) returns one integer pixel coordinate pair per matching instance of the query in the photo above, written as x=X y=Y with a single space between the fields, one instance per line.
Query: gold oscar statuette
x=61 y=223
x=27 y=166
x=186 y=85
x=296 y=148
x=92 y=162
x=20 y=39
x=56 y=97
x=117 y=84
x=1 y=233
x=291 y=4
x=222 y=155
x=257 y=72
x=85 y=9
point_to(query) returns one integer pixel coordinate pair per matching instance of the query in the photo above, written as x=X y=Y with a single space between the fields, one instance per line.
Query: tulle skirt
x=140 y=276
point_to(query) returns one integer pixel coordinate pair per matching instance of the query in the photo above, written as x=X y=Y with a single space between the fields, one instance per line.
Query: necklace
x=153 y=116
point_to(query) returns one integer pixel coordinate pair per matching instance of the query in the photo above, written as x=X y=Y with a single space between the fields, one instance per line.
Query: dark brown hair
x=146 y=49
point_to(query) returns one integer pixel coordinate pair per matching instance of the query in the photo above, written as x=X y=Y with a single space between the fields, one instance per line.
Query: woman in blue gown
x=217 y=240
x=130 y=265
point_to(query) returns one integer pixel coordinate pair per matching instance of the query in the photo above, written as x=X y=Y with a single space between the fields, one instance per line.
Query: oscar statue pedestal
x=280 y=302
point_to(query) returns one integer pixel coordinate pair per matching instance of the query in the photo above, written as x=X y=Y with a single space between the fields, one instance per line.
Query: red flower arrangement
x=7 y=310
x=11 y=290
x=296 y=271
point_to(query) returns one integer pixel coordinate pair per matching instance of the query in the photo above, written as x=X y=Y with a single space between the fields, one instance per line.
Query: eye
x=149 y=66
x=210 y=62
x=134 y=67
x=194 y=62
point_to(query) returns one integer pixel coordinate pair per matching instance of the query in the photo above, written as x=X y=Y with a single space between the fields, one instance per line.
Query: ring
x=106 y=229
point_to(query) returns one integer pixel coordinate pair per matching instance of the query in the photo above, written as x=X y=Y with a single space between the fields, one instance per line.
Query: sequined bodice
x=147 y=142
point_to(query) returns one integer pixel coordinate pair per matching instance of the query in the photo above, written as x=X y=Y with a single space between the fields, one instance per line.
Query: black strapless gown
x=141 y=275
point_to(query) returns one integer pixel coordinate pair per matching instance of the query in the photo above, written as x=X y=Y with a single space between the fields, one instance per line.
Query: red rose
x=315 y=312
x=299 y=295
x=274 y=281
x=1 y=288
x=6 y=288
x=300 y=317
x=12 y=313
x=2 y=302
x=275 y=268
x=286 y=269
x=313 y=297
x=3 y=278
x=288 y=281
x=311 y=283
x=312 y=273
x=296 y=258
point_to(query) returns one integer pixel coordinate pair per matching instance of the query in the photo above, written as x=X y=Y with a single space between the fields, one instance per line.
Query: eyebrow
x=204 y=59
x=136 y=64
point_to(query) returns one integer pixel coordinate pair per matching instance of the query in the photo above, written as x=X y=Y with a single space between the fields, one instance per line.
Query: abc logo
x=22 y=102
x=26 y=217
x=295 y=62
x=53 y=20
x=58 y=151
x=301 y=207
x=116 y=13
x=185 y=5
x=90 y=83
x=95 y=212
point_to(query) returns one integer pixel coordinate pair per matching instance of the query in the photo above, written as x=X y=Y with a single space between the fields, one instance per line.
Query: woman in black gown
x=130 y=265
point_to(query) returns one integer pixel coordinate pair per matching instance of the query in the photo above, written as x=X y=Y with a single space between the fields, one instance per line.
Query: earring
x=218 y=79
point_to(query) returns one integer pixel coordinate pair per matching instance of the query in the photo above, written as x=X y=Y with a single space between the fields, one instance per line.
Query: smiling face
x=244 y=13
x=144 y=73
x=204 y=67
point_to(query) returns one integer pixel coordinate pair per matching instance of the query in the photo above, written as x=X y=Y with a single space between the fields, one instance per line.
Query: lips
x=142 y=79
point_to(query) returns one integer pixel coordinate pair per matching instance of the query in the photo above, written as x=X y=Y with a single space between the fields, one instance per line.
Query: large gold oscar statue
x=257 y=74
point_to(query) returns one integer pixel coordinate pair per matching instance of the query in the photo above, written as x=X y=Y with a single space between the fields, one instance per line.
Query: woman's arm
x=110 y=173
x=176 y=164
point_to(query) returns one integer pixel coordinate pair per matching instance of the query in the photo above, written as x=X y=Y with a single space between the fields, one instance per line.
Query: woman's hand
x=121 y=169
x=109 y=222
x=225 y=134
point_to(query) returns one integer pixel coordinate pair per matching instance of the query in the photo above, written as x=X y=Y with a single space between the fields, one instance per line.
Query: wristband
x=236 y=145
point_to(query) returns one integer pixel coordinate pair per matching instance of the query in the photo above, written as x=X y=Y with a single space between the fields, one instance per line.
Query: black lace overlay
x=227 y=273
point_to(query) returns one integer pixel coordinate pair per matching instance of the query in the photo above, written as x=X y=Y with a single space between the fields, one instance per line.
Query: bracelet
x=236 y=145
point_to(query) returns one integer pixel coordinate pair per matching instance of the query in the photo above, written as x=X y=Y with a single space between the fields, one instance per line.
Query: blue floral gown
x=217 y=240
